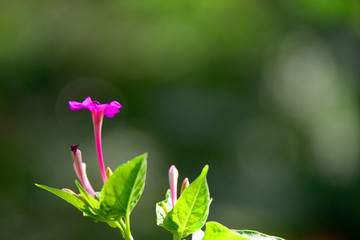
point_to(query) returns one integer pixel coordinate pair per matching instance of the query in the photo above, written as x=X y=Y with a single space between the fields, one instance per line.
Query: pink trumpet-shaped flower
x=97 y=112
x=80 y=169
x=173 y=179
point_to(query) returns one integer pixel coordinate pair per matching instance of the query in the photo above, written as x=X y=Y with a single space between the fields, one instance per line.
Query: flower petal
x=110 y=112
x=75 y=106
x=87 y=103
x=112 y=109
x=115 y=104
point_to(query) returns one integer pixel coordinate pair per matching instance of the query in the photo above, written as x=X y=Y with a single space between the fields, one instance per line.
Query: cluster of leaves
x=118 y=197
x=190 y=212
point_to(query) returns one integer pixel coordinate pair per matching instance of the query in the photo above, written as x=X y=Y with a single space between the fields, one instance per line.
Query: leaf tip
x=39 y=185
x=205 y=169
x=77 y=183
x=141 y=158
x=144 y=155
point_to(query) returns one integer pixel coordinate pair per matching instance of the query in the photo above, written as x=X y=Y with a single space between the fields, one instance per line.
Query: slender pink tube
x=97 y=123
x=80 y=170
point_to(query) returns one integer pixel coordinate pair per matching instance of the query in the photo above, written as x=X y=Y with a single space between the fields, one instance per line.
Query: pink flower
x=80 y=169
x=97 y=112
x=107 y=109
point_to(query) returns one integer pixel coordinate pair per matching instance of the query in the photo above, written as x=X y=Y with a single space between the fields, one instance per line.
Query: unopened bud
x=173 y=179
x=82 y=197
x=108 y=172
x=184 y=185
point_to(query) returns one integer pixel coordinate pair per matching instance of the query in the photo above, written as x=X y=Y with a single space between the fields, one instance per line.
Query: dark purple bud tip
x=74 y=147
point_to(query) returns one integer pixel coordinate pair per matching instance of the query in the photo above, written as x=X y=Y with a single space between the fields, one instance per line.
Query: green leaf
x=191 y=210
x=249 y=234
x=69 y=197
x=216 y=231
x=123 y=189
x=163 y=208
x=90 y=201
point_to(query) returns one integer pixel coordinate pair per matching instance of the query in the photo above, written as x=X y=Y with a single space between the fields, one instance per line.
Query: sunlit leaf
x=163 y=208
x=253 y=235
x=216 y=231
x=69 y=197
x=123 y=189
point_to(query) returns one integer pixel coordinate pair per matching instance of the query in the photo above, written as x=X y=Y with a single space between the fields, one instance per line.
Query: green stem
x=124 y=229
x=121 y=226
x=176 y=237
x=127 y=228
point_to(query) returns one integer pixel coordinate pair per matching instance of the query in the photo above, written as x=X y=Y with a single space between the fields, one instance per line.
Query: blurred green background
x=265 y=92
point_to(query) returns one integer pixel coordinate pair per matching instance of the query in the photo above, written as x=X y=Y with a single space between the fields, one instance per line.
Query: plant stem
x=121 y=226
x=121 y=222
x=128 y=235
x=176 y=237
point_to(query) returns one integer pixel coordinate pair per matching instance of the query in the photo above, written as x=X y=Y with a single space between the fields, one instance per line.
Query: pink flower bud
x=173 y=179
